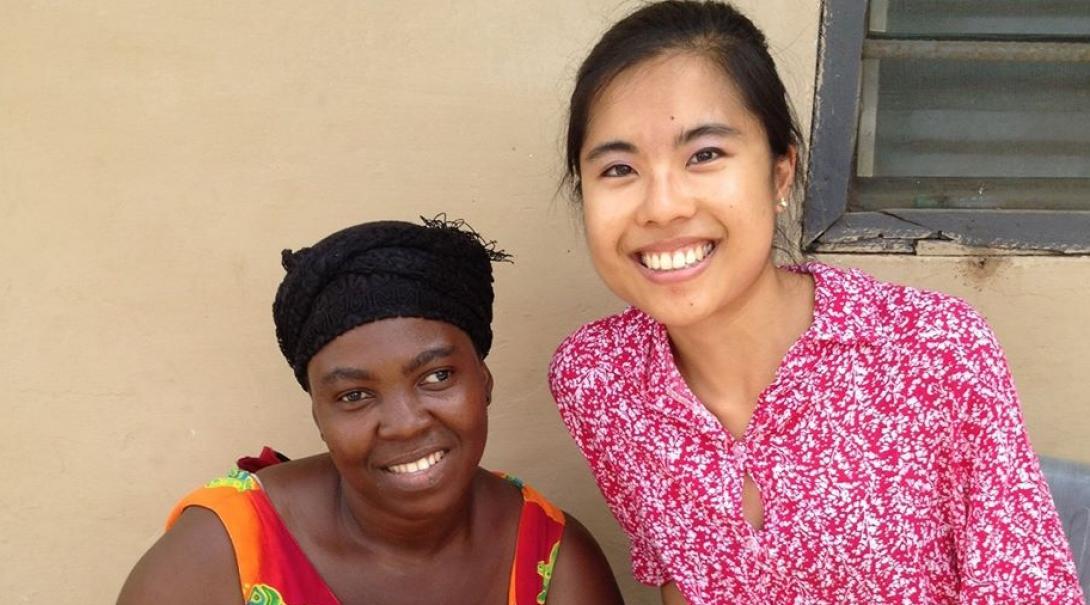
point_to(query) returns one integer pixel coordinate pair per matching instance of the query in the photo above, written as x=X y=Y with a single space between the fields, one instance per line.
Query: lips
x=677 y=259
x=419 y=472
x=415 y=466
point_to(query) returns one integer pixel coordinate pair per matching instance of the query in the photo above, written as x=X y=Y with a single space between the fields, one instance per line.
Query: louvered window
x=954 y=122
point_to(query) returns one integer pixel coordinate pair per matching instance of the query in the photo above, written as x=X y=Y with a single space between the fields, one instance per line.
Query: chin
x=674 y=315
x=428 y=505
x=676 y=319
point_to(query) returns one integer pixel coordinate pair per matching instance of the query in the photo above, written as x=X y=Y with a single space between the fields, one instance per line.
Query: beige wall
x=154 y=159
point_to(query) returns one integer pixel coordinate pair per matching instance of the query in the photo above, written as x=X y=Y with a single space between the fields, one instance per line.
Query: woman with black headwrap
x=386 y=325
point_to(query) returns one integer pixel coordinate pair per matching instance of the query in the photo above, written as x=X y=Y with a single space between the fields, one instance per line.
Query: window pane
x=981 y=17
x=978 y=119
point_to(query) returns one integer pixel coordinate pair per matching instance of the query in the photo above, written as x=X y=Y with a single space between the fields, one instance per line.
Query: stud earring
x=782 y=203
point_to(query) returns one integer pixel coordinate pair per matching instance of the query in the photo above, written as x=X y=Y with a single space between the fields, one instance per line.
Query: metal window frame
x=828 y=225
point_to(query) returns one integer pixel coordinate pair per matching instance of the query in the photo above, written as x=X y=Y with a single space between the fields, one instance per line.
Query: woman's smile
x=669 y=264
x=421 y=473
x=419 y=465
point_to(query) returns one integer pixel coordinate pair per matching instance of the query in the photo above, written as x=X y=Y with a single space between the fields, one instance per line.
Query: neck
x=372 y=528
x=743 y=343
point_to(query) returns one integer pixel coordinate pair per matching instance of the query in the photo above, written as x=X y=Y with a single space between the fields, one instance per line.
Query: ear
x=314 y=416
x=488 y=383
x=783 y=172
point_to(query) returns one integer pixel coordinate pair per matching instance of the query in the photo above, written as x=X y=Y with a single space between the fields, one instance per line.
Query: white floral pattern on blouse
x=890 y=453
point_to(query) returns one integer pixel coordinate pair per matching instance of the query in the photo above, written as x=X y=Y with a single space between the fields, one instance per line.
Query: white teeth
x=666 y=261
x=679 y=259
x=417 y=465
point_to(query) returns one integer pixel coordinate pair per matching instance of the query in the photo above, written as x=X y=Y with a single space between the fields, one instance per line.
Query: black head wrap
x=441 y=270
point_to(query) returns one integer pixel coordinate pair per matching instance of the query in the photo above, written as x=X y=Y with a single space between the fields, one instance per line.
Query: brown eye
x=437 y=377
x=705 y=155
x=354 y=397
x=618 y=170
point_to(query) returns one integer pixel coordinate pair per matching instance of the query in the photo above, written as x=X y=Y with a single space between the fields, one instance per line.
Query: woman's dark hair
x=713 y=30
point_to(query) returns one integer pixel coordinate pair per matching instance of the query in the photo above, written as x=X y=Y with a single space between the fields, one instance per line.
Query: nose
x=664 y=200
x=403 y=417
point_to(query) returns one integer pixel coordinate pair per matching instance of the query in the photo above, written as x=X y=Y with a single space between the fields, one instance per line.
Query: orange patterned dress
x=274 y=570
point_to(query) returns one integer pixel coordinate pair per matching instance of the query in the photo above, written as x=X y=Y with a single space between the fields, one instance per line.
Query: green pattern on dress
x=513 y=480
x=263 y=594
x=239 y=479
x=545 y=570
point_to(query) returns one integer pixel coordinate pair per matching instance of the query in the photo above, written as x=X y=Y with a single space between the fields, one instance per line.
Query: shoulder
x=193 y=562
x=601 y=351
x=506 y=496
x=298 y=480
x=582 y=574
x=941 y=338
x=562 y=560
x=613 y=337
x=899 y=314
x=944 y=326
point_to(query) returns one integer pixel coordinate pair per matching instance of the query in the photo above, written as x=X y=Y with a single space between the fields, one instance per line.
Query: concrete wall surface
x=155 y=157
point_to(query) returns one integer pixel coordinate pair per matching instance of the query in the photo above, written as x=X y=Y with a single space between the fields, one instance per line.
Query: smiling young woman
x=386 y=325
x=767 y=434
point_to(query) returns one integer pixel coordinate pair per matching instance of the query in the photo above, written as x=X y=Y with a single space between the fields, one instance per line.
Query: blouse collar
x=845 y=312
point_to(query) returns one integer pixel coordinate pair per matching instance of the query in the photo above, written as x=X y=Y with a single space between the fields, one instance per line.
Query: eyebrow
x=714 y=129
x=345 y=374
x=609 y=147
x=426 y=357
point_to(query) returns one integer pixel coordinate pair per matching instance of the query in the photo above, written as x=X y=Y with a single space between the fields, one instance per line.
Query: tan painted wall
x=154 y=159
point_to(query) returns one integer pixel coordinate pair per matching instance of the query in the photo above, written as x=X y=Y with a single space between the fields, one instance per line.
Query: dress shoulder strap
x=272 y=569
x=541 y=527
x=230 y=498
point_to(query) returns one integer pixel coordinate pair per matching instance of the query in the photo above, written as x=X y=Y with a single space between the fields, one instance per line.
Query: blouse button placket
x=747 y=535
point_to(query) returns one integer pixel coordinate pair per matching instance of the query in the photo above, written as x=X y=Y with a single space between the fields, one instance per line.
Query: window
x=947 y=123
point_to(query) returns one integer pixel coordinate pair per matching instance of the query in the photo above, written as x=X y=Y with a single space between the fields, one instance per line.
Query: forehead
x=671 y=92
x=390 y=340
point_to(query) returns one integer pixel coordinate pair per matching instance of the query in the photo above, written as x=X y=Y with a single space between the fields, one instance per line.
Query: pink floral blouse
x=890 y=454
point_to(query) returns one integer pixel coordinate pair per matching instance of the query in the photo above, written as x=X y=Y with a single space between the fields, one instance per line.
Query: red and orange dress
x=273 y=569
